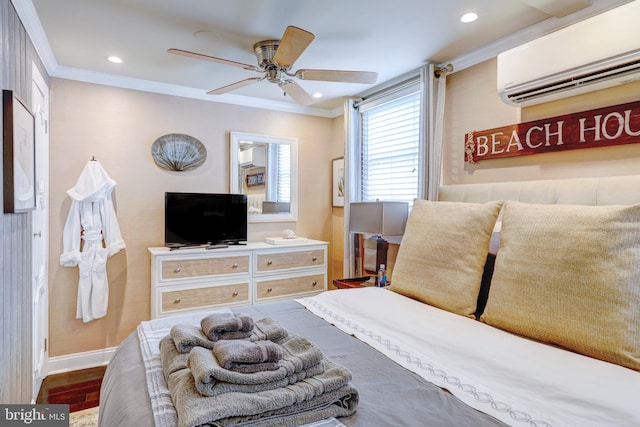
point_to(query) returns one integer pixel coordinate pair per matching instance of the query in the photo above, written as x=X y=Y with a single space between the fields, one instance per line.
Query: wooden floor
x=79 y=389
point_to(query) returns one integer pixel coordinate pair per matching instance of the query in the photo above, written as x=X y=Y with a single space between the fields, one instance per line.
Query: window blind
x=390 y=148
x=284 y=173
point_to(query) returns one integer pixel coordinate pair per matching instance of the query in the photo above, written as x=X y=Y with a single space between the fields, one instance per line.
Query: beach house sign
x=616 y=125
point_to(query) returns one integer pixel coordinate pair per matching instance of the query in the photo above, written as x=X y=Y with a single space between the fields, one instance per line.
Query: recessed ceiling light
x=317 y=95
x=115 y=60
x=469 y=17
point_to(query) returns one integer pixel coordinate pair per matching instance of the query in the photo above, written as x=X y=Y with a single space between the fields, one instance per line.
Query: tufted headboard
x=615 y=190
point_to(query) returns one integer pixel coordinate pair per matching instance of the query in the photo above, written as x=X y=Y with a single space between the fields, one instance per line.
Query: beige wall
x=118 y=126
x=472 y=103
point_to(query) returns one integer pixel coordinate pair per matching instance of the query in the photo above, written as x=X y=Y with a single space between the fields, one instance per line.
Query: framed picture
x=255 y=179
x=338 y=181
x=19 y=167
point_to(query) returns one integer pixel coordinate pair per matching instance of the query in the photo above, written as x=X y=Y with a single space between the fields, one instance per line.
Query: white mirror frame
x=234 y=185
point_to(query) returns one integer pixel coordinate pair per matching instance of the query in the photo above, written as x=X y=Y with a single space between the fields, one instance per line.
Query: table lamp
x=378 y=219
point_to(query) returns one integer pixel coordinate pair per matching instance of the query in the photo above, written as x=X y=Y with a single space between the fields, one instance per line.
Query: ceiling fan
x=275 y=59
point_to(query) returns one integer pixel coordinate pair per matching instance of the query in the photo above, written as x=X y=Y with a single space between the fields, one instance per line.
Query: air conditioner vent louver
x=604 y=76
x=573 y=60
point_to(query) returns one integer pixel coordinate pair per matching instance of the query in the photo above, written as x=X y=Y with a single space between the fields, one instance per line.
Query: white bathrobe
x=92 y=219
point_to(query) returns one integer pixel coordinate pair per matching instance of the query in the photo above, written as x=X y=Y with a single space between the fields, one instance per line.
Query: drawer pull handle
x=269 y=289
x=314 y=259
x=235 y=294
x=234 y=266
x=177 y=270
x=269 y=262
x=177 y=301
x=314 y=283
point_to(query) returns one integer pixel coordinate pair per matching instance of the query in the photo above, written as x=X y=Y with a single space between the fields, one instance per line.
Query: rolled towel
x=246 y=356
x=186 y=337
x=218 y=326
x=268 y=329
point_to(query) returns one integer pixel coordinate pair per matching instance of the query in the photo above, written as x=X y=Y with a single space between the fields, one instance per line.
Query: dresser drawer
x=285 y=260
x=196 y=267
x=185 y=299
x=290 y=285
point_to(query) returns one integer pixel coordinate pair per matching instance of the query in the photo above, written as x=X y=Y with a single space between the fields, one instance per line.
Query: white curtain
x=351 y=138
x=438 y=86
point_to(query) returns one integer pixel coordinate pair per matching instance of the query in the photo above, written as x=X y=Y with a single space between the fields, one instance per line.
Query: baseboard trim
x=77 y=361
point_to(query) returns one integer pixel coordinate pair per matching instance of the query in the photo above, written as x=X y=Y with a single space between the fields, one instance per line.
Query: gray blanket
x=389 y=395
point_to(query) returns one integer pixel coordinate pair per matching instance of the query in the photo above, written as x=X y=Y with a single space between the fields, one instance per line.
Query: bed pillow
x=570 y=276
x=443 y=252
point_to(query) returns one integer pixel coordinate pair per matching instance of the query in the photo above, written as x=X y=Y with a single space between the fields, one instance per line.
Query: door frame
x=40 y=235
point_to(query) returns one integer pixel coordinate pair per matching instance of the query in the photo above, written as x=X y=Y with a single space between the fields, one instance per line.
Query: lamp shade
x=382 y=218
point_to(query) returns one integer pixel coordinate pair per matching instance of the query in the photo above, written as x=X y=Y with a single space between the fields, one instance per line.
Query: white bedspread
x=516 y=380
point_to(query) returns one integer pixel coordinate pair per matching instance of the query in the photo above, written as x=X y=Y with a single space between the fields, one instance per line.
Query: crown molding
x=115 y=80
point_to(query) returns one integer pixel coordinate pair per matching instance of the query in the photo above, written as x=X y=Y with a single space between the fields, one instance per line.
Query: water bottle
x=382 y=276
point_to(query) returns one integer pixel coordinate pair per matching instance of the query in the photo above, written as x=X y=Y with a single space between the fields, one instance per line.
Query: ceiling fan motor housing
x=265 y=50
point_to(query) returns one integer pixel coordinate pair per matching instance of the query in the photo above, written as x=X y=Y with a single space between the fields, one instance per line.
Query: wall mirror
x=265 y=168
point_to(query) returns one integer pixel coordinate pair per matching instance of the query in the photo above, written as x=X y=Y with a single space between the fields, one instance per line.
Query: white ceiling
x=390 y=37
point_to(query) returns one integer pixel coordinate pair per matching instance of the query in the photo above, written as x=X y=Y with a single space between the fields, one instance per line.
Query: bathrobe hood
x=93 y=184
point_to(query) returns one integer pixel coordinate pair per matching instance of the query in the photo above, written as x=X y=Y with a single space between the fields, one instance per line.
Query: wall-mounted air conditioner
x=599 y=52
x=253 y=157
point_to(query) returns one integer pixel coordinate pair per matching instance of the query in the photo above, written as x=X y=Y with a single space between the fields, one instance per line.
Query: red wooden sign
x=603 y=127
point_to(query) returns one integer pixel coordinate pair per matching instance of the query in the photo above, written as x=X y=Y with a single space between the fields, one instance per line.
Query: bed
x=550 y=338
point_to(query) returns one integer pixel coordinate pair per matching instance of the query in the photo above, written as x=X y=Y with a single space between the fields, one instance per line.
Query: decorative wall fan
x=275 y=59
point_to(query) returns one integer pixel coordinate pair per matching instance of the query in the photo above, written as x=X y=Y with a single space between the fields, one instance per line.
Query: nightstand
x=356 y=282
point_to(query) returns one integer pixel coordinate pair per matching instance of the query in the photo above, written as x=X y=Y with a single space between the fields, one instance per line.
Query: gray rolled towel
x=268 y=329
x=217 y=326
x=187 y=336
x=246 y=356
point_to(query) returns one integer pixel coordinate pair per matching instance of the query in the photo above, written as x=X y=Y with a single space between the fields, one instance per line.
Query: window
x=279 y=185
x=284 y=173
x=390 y=145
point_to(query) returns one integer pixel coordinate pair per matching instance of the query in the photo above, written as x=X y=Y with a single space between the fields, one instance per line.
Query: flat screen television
x=198 y=219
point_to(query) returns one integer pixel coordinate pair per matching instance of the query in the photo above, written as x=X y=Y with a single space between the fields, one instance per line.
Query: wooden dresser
x=199 y=279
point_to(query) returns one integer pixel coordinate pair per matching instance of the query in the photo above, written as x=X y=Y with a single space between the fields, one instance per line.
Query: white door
x=40 y=229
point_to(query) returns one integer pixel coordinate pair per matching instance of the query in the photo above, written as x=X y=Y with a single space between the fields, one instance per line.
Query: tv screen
x=194 y=219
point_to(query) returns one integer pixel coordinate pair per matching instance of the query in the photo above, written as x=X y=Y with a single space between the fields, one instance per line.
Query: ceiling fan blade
x=295 y=91
x=234 y=86
x=294 y=41
x=368 y=77
x=212 y=59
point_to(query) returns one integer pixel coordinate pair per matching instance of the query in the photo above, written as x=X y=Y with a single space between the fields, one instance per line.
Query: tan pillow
x=443 y=252
x=570 y=275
